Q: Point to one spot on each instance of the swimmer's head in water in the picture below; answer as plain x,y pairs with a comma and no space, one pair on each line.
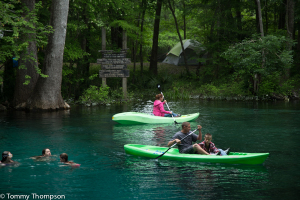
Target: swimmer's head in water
63,157
5,155
46,152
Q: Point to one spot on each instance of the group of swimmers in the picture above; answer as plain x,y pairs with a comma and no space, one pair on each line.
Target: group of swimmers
46,153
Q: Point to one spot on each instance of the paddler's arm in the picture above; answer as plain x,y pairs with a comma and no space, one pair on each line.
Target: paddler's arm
173,142
200,133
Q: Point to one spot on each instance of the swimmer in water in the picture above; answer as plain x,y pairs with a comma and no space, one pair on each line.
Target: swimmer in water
64,159
46,153
6,158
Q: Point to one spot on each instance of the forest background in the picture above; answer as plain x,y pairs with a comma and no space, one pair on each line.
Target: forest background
252,50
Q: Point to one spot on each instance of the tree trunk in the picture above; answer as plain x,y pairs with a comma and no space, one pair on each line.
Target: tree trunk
281,20
290,20
257,76
8,81
141,44
297,57
153,59
266,17
47,93
239,21
184,21
177,28
261,28
22,92
257,17
116,37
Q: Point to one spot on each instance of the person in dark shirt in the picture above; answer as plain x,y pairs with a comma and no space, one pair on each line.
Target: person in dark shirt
186,145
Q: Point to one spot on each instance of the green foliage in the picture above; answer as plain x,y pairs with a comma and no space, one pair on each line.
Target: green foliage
260,55
274,84
69,81
117,93
95,94
177,93
16,22
264,56
208,90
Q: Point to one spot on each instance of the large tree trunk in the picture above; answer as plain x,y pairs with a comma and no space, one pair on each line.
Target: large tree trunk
47,93
153,59
22,92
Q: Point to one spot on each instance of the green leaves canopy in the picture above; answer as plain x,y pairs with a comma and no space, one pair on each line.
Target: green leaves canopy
260,55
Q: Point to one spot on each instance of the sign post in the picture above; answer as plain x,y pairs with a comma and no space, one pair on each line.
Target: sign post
114,64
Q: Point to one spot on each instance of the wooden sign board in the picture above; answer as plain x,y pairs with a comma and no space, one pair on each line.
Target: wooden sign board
114,55
112,51
105,61
113,73
110,66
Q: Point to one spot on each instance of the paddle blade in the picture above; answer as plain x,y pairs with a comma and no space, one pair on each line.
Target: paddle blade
158,86
162,153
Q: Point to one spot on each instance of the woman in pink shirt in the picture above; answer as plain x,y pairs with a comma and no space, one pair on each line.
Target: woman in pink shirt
158,107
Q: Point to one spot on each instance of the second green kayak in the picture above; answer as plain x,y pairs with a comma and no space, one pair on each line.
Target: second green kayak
173,154
143,118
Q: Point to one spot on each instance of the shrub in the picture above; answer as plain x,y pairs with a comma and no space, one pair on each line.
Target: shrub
95,94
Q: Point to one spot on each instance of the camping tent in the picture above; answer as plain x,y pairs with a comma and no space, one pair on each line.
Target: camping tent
192,51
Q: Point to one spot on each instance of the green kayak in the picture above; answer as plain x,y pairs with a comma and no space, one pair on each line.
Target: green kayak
143,118
173,154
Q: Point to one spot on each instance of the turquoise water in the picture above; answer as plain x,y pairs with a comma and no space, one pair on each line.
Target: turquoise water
91,138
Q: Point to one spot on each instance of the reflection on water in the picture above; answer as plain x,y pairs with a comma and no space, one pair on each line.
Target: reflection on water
91,138
195,179
156,134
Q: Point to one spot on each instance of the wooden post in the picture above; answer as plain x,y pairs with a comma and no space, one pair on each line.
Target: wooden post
124,86
103,48
124,82
124,40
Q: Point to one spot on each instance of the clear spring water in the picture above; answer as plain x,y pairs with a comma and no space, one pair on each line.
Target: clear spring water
91,138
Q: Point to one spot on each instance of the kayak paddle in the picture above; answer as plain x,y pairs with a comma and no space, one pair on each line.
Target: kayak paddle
176,143
158,86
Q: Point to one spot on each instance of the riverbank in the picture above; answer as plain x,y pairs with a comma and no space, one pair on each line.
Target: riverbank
177,84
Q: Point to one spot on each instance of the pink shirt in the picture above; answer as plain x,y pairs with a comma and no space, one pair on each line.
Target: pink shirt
158,108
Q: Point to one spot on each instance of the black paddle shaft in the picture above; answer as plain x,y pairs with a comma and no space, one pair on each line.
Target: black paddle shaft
176,143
